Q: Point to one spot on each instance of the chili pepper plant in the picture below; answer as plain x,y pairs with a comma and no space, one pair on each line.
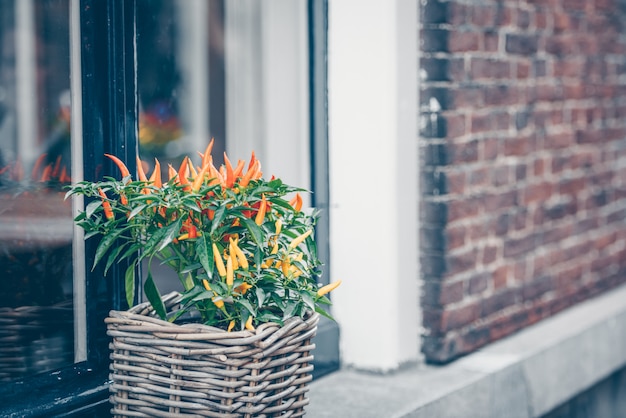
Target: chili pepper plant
242,247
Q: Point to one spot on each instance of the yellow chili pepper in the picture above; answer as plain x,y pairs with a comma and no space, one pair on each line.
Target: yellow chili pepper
240,256
298,240
231,325
218,302
328,288
230,275
249,325
233,254
218,261
285,265
205,282
274,248
279,226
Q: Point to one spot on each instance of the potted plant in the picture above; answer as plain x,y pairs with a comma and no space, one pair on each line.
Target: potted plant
235,341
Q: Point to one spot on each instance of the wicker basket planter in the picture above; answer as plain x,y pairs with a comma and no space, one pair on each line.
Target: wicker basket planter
160,369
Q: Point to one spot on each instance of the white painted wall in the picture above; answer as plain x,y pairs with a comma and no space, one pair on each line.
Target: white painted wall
373,180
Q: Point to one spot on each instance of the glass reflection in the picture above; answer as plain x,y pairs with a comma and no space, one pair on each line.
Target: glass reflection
36,315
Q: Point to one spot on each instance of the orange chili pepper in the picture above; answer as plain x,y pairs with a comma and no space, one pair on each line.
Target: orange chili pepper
207,153
155,178
245,180
243,288
45,176
120,165
296,202
239,169
230,178
260,216
140,172
199,179
36,167
57,167
183,174
108,211
64,178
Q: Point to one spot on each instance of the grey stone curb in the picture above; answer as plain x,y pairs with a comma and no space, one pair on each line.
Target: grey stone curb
525,375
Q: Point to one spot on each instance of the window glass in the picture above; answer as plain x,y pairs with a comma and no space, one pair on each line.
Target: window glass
36,284
233,71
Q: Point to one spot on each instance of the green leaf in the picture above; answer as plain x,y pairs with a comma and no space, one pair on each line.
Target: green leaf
308,300
129,284
290,309
255,231
246,304
135,211
322,312
113,256
204,251
105,244
161,238
217,219
154,297
172,231
92,207
260,296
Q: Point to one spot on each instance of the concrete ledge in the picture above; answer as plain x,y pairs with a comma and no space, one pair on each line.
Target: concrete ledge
525,375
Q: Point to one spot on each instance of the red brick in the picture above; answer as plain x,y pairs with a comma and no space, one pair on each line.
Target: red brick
463,41
500,277
461,262
491,41
455,237
490,254
478,283
489,68
456,125
499,301
459,317
451,293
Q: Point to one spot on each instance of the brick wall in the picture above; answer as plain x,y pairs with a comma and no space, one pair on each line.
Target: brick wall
523,159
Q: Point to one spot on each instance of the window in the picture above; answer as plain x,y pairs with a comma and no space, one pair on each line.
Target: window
250,74
36,290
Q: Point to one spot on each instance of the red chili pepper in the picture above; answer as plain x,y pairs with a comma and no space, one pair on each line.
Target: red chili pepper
108,211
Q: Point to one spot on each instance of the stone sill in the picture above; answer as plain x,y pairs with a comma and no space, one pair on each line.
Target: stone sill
525,375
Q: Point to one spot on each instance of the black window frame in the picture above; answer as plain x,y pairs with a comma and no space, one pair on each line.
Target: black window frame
109,125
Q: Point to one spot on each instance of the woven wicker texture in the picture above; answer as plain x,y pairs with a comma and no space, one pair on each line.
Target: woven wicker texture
160,369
